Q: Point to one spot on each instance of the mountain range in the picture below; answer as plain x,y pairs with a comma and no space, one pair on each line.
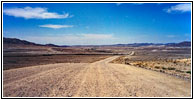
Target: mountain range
15,41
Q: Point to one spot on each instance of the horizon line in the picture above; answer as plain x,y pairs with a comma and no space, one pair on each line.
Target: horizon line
100,44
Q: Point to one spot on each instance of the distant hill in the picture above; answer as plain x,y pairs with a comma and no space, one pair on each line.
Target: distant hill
138,44
24,42
17,41
185,43
52,45
181,44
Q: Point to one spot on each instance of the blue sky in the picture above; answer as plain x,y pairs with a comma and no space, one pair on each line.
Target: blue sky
97,23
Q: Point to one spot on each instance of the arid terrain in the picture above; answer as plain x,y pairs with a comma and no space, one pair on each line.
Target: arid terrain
98,79
138,70
175,63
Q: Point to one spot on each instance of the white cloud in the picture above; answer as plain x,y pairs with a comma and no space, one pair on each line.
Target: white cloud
179,8
138,3
118,4
34,13
73,39
56,26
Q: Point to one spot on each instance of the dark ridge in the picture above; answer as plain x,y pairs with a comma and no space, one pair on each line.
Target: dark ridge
181,44
17,41
52,45
139,44
24,42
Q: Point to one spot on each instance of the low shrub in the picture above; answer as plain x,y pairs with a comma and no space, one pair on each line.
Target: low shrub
179,71
164,68
171,68
188,72
157,67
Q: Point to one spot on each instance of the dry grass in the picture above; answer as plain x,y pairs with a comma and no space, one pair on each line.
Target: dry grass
17,61
177,67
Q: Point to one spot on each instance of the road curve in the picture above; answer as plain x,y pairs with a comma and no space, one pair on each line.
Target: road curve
98,79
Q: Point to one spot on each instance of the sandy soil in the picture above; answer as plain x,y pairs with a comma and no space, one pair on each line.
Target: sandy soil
177,67
11,61
98,79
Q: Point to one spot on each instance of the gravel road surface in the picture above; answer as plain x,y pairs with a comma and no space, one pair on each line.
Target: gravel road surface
98,79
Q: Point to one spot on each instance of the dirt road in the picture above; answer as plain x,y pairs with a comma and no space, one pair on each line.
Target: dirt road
99,79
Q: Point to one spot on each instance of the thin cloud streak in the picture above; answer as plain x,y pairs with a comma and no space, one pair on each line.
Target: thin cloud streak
138,3
118,4
56,26
73,39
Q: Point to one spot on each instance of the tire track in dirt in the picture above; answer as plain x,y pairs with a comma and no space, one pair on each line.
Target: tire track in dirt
113,85
83,79
161,84
88,87
42,83
98,79
72,84
102,81
18,74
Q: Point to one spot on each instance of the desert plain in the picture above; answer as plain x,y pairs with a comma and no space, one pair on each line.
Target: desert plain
31,70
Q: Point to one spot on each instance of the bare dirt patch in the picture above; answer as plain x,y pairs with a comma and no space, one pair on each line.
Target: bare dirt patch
98,79
24,60
176,67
